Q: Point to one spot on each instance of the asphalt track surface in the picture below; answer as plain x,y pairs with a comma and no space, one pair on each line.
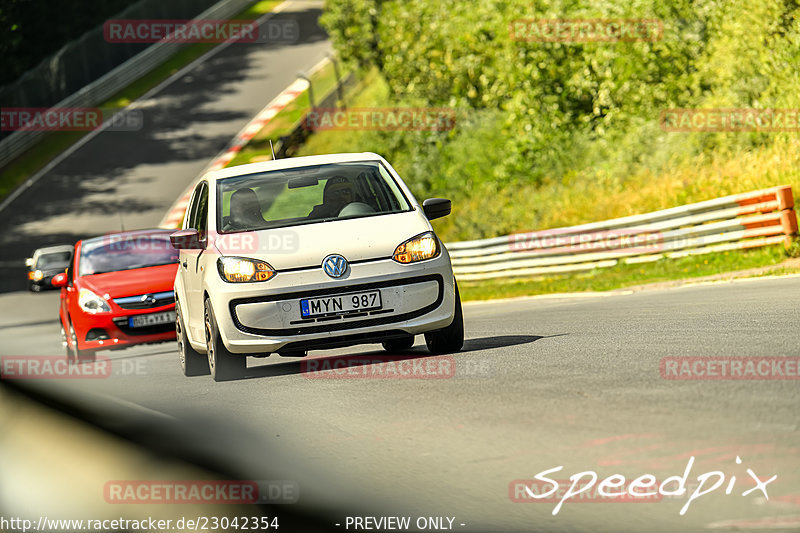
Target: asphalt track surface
541,383
571,382
130,178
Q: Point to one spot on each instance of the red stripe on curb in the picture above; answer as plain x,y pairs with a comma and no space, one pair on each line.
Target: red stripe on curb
176,213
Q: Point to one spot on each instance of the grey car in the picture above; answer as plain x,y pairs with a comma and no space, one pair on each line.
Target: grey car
46,263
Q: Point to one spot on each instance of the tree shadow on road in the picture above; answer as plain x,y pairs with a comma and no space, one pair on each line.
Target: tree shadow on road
140,171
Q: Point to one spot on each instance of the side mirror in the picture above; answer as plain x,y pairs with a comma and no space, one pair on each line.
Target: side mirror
29,262
186,239
59,280
436,207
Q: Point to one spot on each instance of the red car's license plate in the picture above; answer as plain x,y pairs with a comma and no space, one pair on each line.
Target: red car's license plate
141,321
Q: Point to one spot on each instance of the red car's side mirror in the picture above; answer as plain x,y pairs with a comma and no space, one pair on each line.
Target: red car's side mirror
186,239
59,280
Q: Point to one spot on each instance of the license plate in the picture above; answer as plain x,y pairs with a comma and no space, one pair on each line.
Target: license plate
341,304
141,321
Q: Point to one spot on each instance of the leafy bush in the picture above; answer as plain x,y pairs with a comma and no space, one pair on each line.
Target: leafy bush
534,116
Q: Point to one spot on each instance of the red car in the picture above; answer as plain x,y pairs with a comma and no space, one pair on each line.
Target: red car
117,292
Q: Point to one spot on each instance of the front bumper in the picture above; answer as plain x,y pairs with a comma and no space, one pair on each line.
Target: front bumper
265,318
120,335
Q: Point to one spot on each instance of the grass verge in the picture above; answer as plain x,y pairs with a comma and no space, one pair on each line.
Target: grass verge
54,143
323,81
370,91
484,208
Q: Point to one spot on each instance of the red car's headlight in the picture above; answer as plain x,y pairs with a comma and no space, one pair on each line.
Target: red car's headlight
92,303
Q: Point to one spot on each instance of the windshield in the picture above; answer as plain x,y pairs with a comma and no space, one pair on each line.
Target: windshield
111,253
53,260
307,195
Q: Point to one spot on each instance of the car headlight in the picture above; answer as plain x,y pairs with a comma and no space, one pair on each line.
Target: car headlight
92,303
419,248
243,270
38,275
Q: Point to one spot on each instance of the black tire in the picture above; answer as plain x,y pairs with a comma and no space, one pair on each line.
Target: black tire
451,338
224,365
35,287
398,345
65,343
193,363
74,354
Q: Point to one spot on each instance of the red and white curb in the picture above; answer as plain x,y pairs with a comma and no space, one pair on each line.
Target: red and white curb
174,217
259,121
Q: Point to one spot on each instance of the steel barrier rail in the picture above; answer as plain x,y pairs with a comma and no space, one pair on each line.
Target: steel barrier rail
117,79
759,218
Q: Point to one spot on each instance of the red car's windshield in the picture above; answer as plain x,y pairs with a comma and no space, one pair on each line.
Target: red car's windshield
125,252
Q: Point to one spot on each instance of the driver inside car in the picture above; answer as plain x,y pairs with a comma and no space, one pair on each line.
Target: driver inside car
245,211
338,193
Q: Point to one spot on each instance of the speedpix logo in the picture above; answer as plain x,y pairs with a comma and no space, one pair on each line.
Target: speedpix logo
643,488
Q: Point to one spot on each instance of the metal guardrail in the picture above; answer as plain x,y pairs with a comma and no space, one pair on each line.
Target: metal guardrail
748,220
117,79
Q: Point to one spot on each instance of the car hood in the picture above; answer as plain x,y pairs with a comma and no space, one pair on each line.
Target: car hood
307,245
132,282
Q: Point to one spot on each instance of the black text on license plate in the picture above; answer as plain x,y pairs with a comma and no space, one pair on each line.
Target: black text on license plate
345,303
154,319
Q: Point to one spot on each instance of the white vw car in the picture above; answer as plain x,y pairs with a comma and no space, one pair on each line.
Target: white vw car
309,253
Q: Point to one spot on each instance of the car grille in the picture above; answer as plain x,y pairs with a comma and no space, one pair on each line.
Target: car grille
122,323
339,322
146,301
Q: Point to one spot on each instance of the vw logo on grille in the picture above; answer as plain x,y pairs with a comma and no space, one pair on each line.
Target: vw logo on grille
334,265
148,299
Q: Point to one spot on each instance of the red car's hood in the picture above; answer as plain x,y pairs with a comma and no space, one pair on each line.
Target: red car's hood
132,282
